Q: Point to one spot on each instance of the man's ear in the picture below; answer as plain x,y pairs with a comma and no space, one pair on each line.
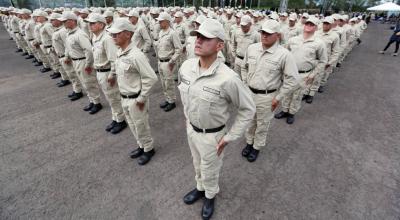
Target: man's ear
220,45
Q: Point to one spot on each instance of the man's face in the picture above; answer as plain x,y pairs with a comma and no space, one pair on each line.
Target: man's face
207,46
303,20
178,20
292,23
109,19
121,38
341,23
268,39
133,20
41,19
96,26
309,27
326,26
283,18
237,20
164,24
56,23
70,24
245,28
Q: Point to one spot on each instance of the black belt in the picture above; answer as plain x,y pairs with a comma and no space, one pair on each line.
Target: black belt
240,57
130,96
103,70
163,61
16,32
62,56
82,58
257,91
47,46
31,39
208,130
22,34
301,71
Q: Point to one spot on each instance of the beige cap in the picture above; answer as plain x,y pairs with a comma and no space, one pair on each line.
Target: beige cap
96,17
329,20
200,19
25,11
292,17
313,19
305,15
283,14
353,20
68,16
133,13
121,24
178,14
239,14
210,28
336,16
41,14
84,11
274,16
108,14
164,16
271,26
245,20
55,16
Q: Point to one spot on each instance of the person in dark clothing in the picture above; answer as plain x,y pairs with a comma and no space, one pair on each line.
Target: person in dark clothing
395,38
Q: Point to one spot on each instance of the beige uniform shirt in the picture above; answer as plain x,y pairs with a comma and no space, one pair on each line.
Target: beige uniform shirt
45,33
58,41
208,96
84,26
141,37
36,33
154,29
331,40
269,69
182,31
350,34
342,36
104,52
78,46
134,73
310,54
169,45
29,29
241,41
290,32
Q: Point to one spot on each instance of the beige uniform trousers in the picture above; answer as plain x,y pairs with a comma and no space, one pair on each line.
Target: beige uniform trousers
55,63
323,80
112,95
69,70
89,81
43,57
292,102
257,132
238,66
17,37
22,43
138,122
207,164
167,81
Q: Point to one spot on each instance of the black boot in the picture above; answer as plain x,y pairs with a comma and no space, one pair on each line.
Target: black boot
281,114
110,126
309,99
76,96
193,196
246,150
24,54
39,64
44,69
29,57
96,108
118,127
35,60
164,104
338,65
55,75
321,89
208,208
18,51
290,119
63,83
136,153
253,155
88,107
146,157
71,94
169,107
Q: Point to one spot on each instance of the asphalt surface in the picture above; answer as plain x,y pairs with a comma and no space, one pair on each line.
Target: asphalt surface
340,160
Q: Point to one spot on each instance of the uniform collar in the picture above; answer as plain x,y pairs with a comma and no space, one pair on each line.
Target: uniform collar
272,49
97,38
126,51
163,32
312,38
73,30
210,71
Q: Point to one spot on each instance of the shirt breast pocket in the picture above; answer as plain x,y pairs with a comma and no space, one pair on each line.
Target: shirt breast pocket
252,64
208,101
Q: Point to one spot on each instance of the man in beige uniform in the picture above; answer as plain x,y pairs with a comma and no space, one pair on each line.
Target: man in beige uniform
242,39
311,57
28,31
209,90
105,53
342,34
79,50
135,79
169,50
332,42
141,37
271,73
41,19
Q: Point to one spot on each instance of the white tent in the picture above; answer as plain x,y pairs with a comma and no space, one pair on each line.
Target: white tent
389,6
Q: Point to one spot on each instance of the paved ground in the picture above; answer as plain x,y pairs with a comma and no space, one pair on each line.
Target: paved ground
340,160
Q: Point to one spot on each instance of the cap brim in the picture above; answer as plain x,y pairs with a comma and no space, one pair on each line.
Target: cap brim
61,19
244,23
114,30
203,33
267,30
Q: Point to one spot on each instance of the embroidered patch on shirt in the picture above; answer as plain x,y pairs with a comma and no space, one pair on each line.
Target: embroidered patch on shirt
211,90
